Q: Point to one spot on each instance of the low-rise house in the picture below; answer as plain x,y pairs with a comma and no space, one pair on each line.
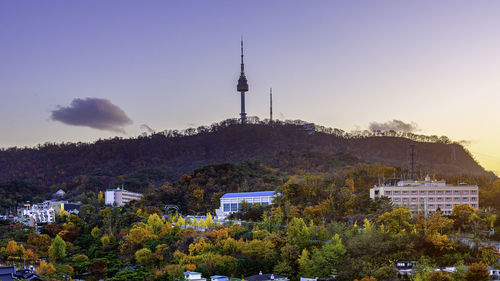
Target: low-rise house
59,194
193,276
8,273
219,278
494,273
405,268
266,277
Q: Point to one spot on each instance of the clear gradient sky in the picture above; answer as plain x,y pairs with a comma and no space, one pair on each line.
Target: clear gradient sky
174,64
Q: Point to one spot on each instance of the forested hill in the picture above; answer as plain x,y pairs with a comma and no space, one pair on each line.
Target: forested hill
289,146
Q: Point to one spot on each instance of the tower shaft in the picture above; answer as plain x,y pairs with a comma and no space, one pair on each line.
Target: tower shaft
243,114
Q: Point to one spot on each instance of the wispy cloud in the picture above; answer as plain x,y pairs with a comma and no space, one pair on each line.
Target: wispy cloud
394,125
95,113
148,129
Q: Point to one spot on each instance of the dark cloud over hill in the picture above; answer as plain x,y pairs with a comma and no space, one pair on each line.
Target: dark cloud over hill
95,113
394,125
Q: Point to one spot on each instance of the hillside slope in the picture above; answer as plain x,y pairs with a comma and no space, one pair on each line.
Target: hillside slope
288,147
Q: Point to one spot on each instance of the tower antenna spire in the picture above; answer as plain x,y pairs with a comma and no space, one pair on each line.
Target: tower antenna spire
242,63
271,104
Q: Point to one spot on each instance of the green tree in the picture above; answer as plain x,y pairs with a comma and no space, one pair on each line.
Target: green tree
138,274
325,260
396,221
461,214
96,232
57,250
298,233
144,256
459,273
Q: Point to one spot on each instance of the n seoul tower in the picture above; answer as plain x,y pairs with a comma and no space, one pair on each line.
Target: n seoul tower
242,87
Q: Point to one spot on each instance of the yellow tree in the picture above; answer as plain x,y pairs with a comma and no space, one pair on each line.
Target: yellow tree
209,222
181,221
30,256
46,269
100,197
12,248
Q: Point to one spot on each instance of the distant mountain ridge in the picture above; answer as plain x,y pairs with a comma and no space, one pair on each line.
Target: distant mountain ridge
288,146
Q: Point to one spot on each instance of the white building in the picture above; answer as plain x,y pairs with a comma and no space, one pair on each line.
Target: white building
193,276
231,202
428,195
120,197
40,215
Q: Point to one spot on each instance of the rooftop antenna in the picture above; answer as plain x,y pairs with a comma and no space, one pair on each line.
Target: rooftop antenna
412,172
271,104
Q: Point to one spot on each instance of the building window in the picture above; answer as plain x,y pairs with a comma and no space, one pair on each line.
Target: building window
405,199
234,207
465,199
440,206
396,192
414,199
431,192
387,193
422,192
440,198
431,205
472,192
474,205
457,192
448,192
439,192
405,192
448,205
413,192
473,198
227,208
431,199
396,199
264,203
448,199
457,198
465,192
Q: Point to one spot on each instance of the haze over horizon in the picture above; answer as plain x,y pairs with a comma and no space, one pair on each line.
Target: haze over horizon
80,71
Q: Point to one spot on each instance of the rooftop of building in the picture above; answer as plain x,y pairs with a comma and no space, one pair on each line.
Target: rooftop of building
427,182
262,277
121,189
249,194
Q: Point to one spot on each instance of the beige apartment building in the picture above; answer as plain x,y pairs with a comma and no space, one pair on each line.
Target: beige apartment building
428,195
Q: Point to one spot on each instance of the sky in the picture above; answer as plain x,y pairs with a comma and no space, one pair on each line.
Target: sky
82,70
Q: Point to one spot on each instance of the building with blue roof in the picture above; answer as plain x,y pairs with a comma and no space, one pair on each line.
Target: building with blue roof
219,278
193,276
231,202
